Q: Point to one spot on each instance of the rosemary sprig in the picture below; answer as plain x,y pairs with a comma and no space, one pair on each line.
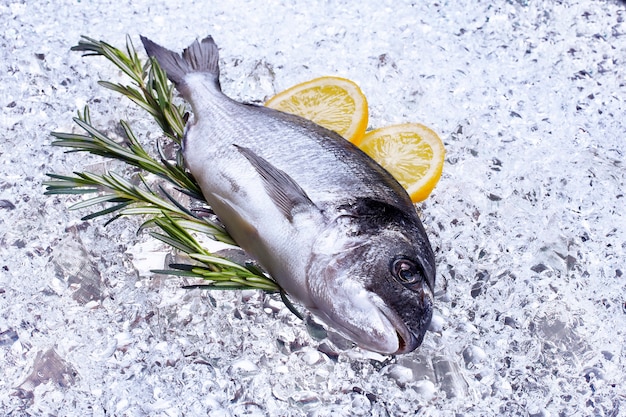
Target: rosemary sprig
167,219
223,273
152,91
97,143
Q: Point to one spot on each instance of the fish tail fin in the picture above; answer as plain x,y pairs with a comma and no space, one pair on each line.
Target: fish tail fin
199,57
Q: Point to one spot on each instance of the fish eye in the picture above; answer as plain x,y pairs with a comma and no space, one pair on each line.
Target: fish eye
406,271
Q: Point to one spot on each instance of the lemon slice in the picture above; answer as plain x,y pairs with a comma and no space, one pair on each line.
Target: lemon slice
411,152
333,102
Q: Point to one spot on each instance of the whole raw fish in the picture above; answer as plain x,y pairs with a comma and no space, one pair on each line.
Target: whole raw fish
330,225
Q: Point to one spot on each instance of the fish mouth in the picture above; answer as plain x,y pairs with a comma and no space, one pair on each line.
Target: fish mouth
408,344
407,341
410,334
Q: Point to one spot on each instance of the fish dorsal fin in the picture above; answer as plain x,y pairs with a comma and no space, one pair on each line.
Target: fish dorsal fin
286,194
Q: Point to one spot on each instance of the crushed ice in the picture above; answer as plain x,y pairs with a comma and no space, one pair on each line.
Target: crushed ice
527,221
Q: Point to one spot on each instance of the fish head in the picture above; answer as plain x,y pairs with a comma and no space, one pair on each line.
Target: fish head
374,285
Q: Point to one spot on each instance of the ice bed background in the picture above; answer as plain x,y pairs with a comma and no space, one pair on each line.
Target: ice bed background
527,221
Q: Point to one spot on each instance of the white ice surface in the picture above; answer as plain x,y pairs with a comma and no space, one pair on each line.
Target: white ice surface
527,221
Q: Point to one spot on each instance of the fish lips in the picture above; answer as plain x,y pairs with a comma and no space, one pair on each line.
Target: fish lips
408,339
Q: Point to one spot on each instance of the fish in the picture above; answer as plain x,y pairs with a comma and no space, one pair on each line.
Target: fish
332,227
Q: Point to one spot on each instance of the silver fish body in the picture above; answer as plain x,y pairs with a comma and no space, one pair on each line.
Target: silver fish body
330,225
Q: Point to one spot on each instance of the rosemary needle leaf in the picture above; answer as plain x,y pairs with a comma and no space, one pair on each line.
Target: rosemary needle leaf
173,242
107,198
106,211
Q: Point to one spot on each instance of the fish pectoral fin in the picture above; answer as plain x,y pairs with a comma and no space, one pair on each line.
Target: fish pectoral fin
286,194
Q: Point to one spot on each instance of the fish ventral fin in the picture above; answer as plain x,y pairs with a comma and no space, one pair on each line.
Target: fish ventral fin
286,194
200,56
